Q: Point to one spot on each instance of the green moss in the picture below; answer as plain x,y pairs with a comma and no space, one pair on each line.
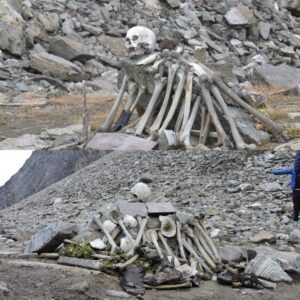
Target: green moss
79,249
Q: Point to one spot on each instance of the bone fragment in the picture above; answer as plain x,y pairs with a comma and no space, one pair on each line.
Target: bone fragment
169,286
198,258
159,84
150,59
126,232
156,66
108,236
177,96
110,118
179,239
172,70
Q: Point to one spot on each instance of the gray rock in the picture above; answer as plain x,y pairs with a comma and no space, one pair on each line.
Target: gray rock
295,236
173,3
11,29
4,291
270,187
81,286
50,21
67,48
56,66
117,294
24,142
246,126
80,262
264,29
49,238
265,267
277,76
263,236
231,253
240,15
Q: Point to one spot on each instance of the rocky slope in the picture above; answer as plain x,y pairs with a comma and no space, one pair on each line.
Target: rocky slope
236,190
42,169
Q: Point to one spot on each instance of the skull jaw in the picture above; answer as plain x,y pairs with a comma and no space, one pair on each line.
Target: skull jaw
138,52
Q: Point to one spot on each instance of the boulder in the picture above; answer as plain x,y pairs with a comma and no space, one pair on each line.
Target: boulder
12,24
265,267
50,237
231,253
67,48
263,236
50,21
57,66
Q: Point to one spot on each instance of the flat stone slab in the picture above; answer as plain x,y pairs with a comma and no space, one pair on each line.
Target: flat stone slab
120,141
79,262
155,208
50,237
278,76
133,209
240,15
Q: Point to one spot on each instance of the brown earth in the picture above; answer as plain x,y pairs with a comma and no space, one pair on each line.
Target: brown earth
58,112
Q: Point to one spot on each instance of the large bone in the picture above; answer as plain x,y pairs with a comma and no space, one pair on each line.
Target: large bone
179,240
185,136
177,96
110,119
125,115
205,129
141,92
108,236
210,243
240,144
179,119
210,107
197,257
164,242
276,128
130,261
172,70
190,233
159,84
187,100
152,235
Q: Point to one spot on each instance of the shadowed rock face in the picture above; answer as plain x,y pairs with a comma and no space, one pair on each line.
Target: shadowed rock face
42,169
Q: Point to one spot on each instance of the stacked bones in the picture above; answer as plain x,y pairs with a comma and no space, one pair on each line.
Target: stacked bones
181,98
179,238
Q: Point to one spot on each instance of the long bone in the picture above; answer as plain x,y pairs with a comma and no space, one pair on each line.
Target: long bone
179,119
276,128
210,107
185,136
179,240
110,118
190,249
108,236
205,130
240,144
164,242
187,100
125,115
152,236
172,70
130,261
210,243
142,224
113,234
159,84
190,233
177,96
155,67
141,92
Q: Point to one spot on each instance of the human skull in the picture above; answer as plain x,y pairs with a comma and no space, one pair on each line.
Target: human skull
140,40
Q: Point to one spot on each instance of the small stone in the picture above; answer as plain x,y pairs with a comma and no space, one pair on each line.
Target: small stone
80,287
231,253
98,244
117,294
4,291
263,236
240,15
295,236
270,187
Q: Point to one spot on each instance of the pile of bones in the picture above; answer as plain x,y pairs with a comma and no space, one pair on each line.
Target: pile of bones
182,99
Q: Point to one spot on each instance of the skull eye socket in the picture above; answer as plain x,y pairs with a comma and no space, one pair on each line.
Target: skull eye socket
135,37
128,40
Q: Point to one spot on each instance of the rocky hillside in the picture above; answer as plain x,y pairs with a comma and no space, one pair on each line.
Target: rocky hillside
42,169
236,190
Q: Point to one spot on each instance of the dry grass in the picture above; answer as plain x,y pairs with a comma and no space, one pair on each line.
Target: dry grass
278,105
